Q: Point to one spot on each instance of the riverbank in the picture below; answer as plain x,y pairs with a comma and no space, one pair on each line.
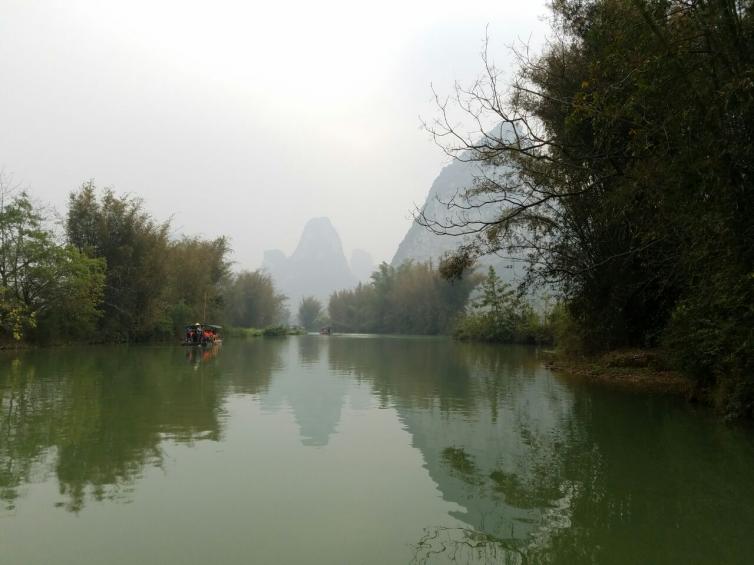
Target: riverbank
631,370
229,332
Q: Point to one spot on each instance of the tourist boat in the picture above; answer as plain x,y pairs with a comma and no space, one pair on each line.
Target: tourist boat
202,335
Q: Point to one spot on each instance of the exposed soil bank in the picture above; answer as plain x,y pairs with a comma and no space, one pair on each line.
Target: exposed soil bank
634,370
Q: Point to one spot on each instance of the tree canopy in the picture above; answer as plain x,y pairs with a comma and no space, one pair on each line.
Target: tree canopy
410,299
622,170
46,287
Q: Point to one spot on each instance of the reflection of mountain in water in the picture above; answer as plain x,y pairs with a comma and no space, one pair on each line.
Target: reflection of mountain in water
488,421
534,470
314,394
544,472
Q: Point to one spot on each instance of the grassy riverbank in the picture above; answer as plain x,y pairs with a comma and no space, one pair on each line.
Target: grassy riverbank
632,370
271,331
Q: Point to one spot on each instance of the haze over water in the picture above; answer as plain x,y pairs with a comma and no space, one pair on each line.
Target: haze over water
355,450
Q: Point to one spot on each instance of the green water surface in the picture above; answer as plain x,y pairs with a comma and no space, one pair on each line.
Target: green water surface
350,450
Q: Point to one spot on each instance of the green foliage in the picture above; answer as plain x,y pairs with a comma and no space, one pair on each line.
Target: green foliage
275,331
197,272
234,331
498,314
310,313
134,247
411,299
47,290
628,181
711,337
251,301
153,286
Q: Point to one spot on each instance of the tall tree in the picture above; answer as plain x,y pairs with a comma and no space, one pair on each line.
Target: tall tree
198,271
46,288
412,299
623,170
252,301
134,247
309,312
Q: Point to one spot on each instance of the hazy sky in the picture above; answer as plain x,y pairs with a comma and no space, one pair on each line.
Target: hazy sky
243,118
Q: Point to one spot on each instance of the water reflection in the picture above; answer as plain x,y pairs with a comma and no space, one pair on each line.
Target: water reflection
492,425
528,468
95,417
313,393
544,471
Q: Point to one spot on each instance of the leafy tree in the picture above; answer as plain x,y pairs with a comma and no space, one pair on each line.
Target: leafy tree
134,247
198,272
310,312
154,285
251,300
46,288
412,299
623,170
499,314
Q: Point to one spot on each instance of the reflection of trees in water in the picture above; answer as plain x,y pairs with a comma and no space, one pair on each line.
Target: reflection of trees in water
462,545
417,371
310,348
247,365
101,416
491,424
569,474
652,471
98,416
548,473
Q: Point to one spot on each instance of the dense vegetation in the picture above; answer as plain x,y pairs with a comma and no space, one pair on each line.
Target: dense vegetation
152,284
499,314
624,173
46,287
310,313
410,299
116,274
252,301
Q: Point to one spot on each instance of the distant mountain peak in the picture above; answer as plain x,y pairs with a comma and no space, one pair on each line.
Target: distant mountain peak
319,238
420,244
317,267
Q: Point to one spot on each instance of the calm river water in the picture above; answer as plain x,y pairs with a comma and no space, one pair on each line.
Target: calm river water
350,450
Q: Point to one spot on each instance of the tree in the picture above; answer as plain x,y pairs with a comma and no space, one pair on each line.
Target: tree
412,299
134,247
198,271
309,312
45,288
251,300
620,164
499,314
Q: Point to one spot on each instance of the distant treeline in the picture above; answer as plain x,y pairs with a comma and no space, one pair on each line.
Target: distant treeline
410,299
113,274
415,298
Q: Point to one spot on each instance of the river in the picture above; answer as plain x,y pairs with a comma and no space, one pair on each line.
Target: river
355,449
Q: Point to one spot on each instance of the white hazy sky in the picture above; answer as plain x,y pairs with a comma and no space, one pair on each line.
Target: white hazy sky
243,118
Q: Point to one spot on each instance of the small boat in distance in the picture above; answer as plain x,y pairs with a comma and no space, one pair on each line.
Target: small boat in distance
202,335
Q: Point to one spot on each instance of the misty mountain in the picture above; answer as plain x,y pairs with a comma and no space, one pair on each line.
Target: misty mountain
362,265
317,267
420,244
